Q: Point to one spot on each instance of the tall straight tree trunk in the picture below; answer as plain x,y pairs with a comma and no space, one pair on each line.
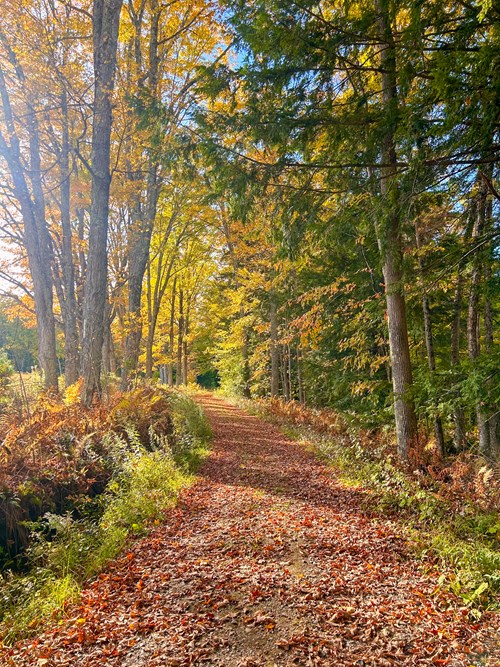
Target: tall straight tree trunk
246,365
431,360
185,351
460,434
492,421
275,370
289,369
80,270
151,328
107,346
105,23
180,336
300,379
389,239
35,233
245,337
171,338
284,368
429,344
493,414
473,340
142,226
70,310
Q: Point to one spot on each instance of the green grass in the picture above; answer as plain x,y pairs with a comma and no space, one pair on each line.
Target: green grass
146,484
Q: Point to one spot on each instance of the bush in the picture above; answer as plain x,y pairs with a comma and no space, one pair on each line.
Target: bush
146,468
6,369
449,522
191,428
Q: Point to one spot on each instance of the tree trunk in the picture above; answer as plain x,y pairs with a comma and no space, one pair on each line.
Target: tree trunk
429,344
246,365
473,343
142,226
105,23
80,271
493,415
284,379
171,338
289,371
185,367
460,431
107,347
180,335
70,311
300,379
492,421
35,233
275,378
459,435
389,239
151,327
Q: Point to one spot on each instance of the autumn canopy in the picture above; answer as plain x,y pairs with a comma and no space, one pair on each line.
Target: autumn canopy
293,199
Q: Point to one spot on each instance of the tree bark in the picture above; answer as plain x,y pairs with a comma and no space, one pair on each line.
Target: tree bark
284,379
107,347
289,371
35,233
389,239
171,338
300,379
275,377
69,306
180,335
459,435
429,344
473,340
80,271
105,23
246,364
185,351
460,431
139,241
492,420
493,414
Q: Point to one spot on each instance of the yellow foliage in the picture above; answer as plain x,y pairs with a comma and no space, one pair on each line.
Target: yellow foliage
72,393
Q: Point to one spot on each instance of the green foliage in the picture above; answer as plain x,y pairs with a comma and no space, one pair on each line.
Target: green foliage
6,371
6,368
463,544
66,551
19,341
294,144
192,430
145,488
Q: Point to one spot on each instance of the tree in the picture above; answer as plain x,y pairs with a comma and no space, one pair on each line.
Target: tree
348,119
27,190
105,23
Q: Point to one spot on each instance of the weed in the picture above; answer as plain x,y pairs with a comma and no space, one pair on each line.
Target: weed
148,470
462,543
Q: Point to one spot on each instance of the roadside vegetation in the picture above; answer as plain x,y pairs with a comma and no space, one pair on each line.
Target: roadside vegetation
78,483
447,511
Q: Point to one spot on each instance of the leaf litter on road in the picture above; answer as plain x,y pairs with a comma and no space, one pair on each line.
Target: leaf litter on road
267,561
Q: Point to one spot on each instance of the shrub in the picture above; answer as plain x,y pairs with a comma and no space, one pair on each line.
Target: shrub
448,512
145,468
6,369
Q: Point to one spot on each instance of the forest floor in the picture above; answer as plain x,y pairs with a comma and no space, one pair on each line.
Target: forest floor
267,561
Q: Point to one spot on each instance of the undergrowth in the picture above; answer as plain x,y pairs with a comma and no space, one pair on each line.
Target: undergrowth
461,540
149,467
